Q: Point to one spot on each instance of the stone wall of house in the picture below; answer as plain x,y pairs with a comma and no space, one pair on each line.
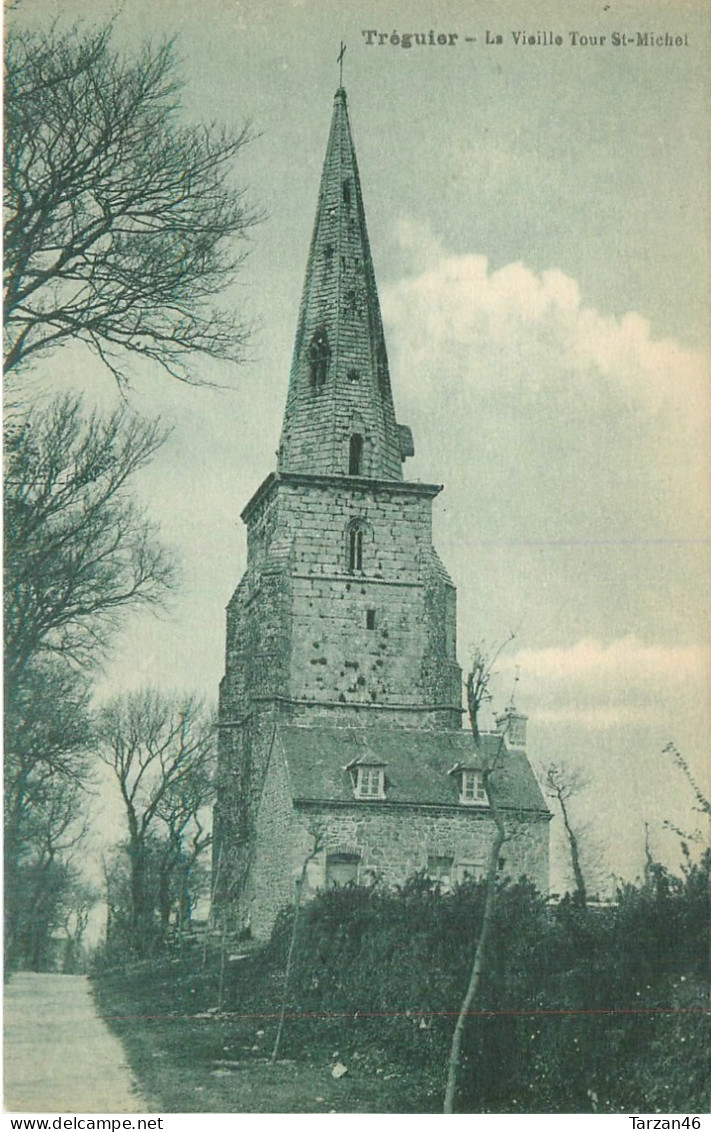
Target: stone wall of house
395,841
392,843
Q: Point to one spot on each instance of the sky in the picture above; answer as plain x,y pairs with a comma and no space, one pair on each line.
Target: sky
539,221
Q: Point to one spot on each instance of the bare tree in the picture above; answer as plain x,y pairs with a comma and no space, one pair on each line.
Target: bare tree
186,838
155,745
123,227
78,555
80,898
702,806
42,872
563,783
78,552
47,740
477,690
478,680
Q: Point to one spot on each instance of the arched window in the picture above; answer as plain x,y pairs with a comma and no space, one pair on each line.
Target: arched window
355,536
355,455
319,357
355,549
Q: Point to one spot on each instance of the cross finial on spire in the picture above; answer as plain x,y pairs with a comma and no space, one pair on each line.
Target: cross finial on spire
340,63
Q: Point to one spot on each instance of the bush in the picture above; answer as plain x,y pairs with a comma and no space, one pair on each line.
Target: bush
580,1009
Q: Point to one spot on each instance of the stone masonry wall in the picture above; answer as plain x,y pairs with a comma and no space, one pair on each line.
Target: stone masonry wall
392,842
300,645
383,635
281,844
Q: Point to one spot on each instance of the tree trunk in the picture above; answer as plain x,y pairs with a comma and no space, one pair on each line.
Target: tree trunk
455,1053
580,890
287,971
140,917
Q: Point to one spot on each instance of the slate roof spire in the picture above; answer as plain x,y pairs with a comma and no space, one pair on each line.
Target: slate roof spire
339,418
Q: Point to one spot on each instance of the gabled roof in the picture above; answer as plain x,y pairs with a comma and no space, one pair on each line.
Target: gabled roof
417,765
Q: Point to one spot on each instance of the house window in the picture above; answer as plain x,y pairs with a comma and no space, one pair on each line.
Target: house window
370,618
355,535
319,357
370,782
469,870
355,455
440,869
341,869
472,788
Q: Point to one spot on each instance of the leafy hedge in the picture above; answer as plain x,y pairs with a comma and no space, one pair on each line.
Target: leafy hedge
582,1009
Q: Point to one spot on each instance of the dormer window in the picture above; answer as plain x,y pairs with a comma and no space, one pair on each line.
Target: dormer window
370,782
368,779
471,787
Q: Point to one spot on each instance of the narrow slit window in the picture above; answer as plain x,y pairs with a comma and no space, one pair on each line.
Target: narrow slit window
355,549
382,362
346,191
355,455
370,618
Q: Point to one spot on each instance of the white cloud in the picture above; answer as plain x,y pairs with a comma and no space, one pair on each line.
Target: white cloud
607,419
627,696
521,318
616,662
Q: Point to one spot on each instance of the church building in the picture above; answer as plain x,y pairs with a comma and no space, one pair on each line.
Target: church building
342,754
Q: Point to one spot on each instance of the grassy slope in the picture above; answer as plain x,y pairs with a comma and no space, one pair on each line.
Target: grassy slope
188,1059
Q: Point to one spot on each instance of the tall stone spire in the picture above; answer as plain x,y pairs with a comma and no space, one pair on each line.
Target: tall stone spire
339,418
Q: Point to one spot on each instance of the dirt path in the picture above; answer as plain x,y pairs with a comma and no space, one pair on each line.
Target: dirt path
59,1055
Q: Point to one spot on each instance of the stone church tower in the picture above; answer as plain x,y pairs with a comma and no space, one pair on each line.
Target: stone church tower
340,709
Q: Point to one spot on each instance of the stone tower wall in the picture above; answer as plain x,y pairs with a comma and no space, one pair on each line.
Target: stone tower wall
304,627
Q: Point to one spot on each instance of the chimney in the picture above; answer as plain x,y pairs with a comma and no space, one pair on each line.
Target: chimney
512,724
